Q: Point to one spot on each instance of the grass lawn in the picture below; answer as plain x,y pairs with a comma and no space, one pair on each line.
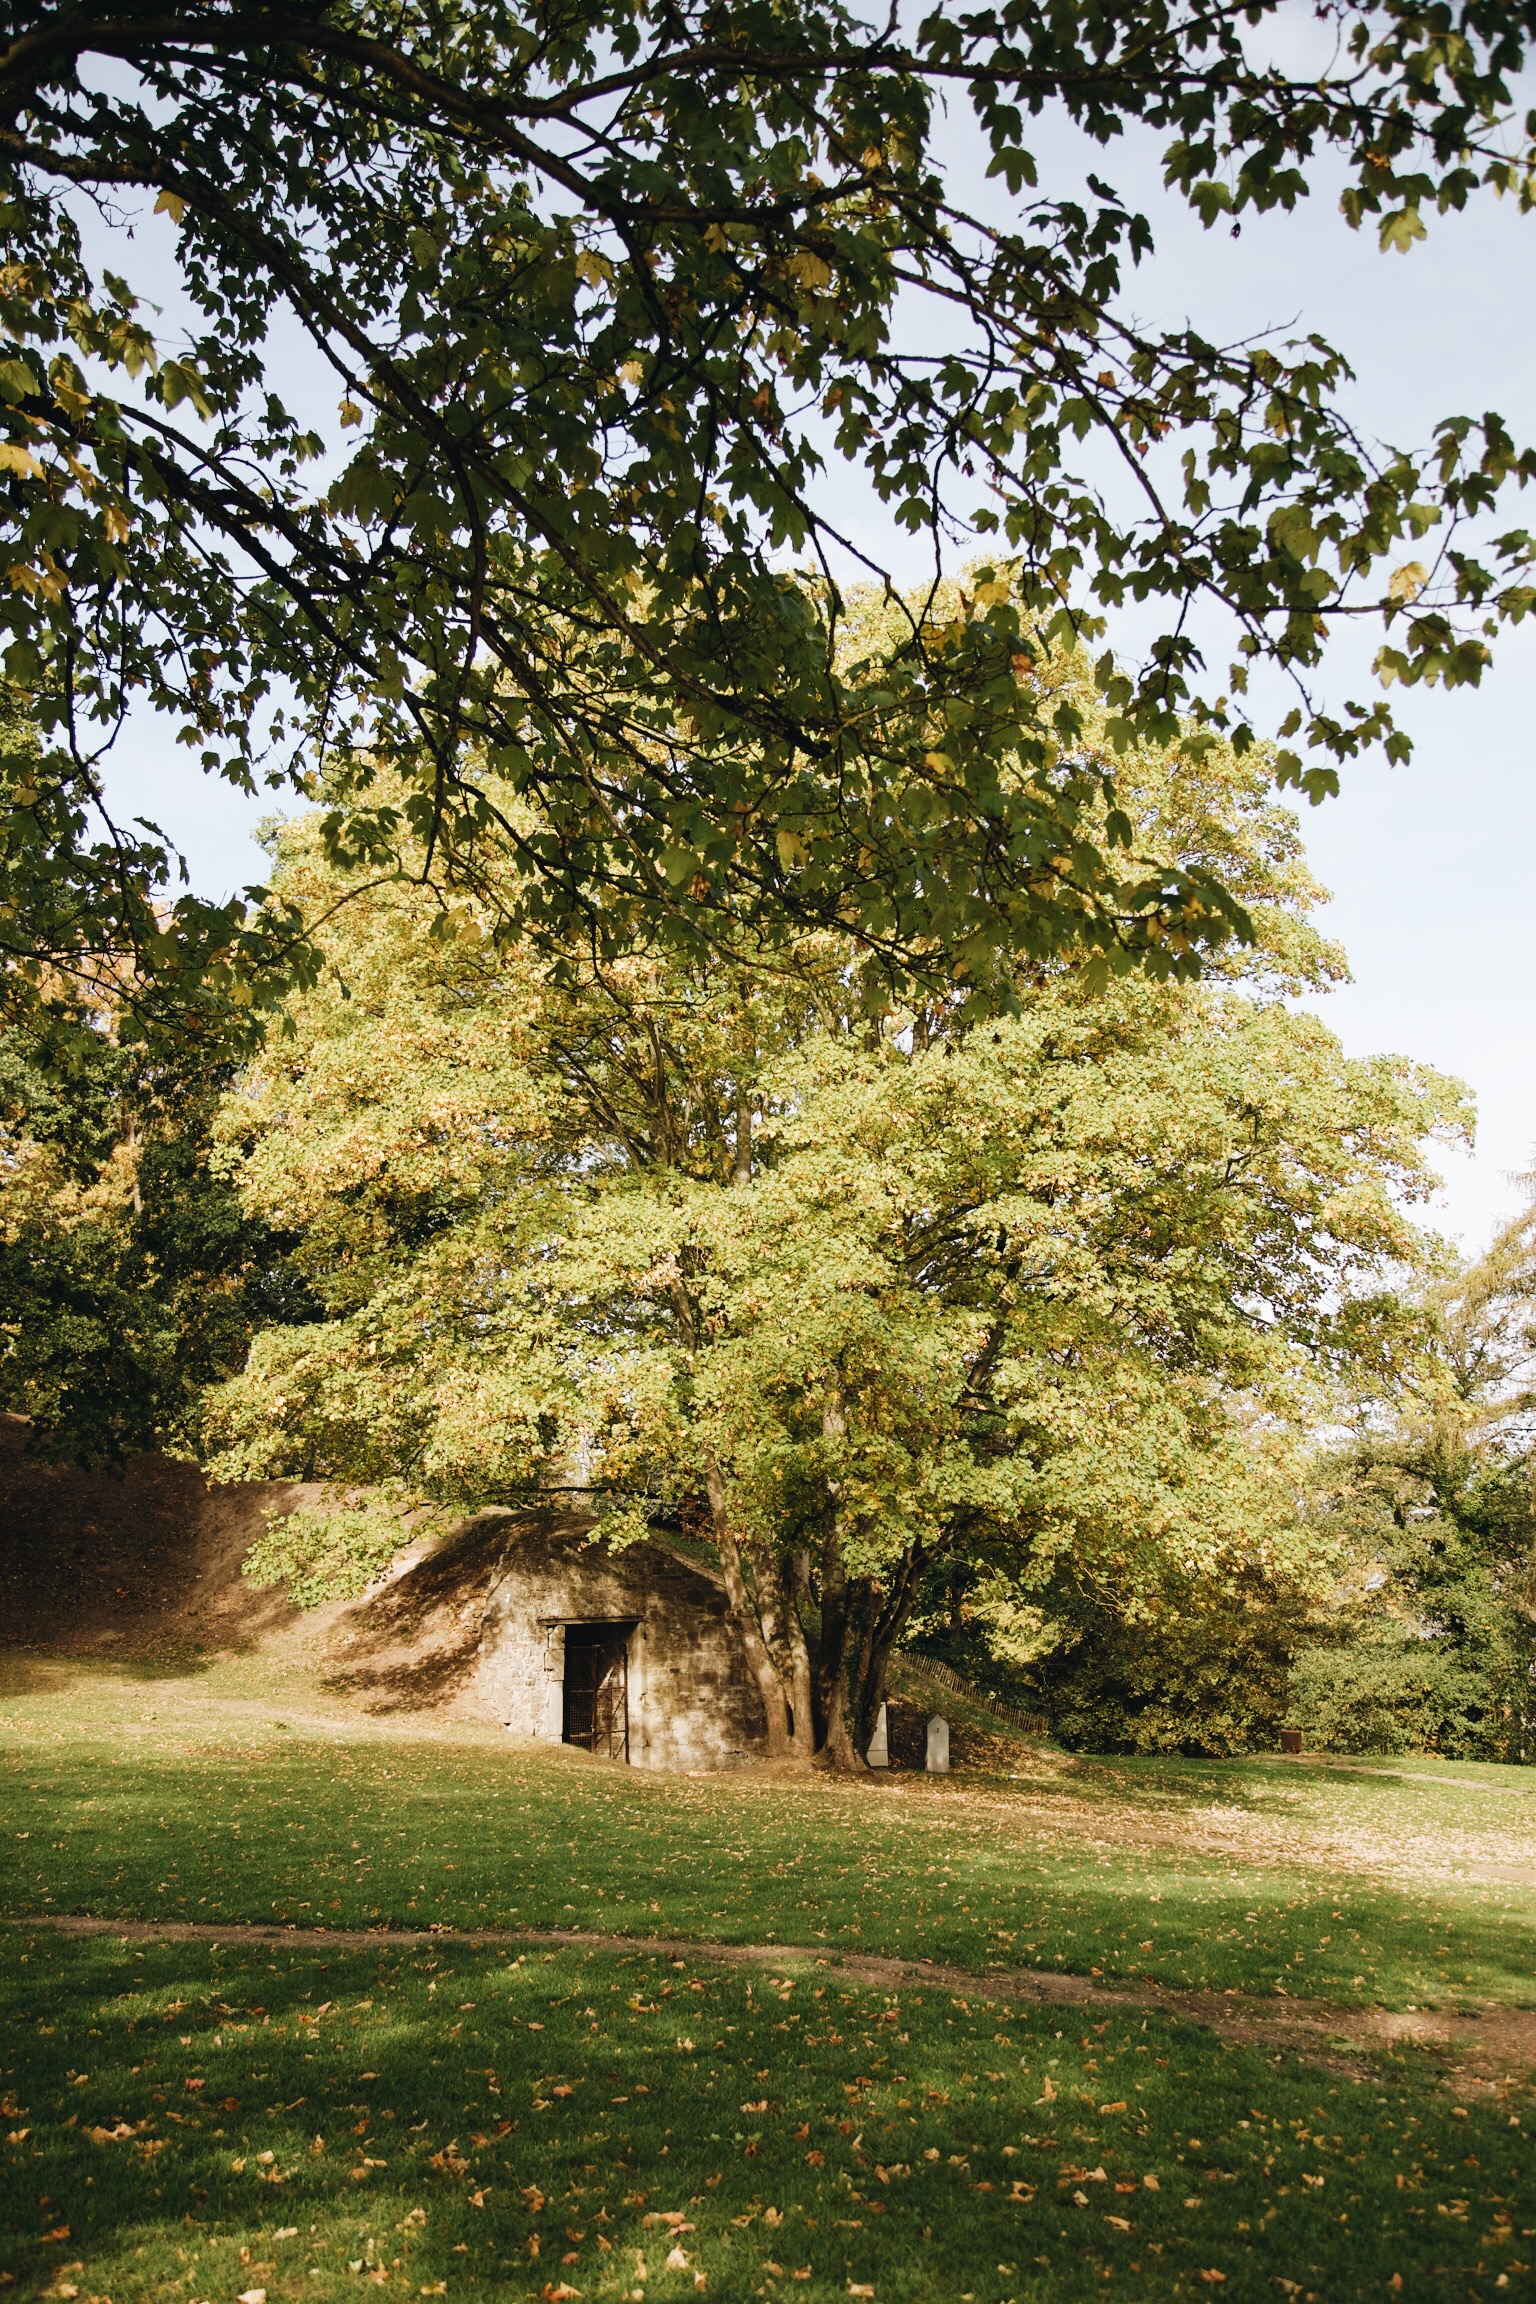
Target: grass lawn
205,2121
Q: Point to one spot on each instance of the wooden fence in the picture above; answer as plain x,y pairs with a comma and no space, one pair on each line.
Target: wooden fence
944,1675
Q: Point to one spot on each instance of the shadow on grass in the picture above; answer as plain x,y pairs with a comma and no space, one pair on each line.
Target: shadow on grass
200,2121
50,1672
252,1826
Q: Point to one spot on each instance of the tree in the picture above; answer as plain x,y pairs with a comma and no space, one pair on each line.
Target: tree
598,294
130,1277
1432,1640
857,1299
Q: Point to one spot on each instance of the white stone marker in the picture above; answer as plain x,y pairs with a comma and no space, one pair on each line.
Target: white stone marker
938,1746
879,1753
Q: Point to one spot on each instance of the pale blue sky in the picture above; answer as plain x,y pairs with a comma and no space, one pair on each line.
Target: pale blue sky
1430,865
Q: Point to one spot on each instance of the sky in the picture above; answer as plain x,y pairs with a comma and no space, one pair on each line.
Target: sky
1429,864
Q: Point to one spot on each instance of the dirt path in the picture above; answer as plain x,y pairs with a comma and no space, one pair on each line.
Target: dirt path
1490,2051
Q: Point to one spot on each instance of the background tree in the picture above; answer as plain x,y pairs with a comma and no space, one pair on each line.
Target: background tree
130,1276
857,1299
584,300
1431,1642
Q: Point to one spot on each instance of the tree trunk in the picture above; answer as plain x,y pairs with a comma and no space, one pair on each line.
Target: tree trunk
895,1611
784,1636
846,1650
760,1663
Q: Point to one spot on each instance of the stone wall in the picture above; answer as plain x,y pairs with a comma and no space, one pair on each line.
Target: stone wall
692,1702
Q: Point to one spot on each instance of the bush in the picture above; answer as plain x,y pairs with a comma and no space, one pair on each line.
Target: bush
1205,1674
1408,1694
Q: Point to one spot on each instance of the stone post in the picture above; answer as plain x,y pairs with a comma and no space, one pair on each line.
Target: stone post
879,1753
938,1746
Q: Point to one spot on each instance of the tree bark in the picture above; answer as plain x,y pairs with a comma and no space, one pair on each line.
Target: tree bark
759,1662
784,1635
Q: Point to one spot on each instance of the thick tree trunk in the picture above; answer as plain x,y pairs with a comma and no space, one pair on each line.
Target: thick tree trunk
896,1607
759,1662
784,1635
847,1646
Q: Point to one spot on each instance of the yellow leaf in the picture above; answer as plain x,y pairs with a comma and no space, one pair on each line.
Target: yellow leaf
171,204
792,850
1408,581
15,458
810,270
350,413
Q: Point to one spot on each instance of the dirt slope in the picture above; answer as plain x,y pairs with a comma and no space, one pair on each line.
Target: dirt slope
137,1563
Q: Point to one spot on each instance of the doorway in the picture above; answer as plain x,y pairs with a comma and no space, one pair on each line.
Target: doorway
597,1689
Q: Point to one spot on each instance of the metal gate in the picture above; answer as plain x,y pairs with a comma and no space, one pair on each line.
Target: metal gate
597,1689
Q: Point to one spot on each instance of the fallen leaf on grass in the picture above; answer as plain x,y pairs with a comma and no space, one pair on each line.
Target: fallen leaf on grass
253,2296
1211,2278
677,2260
558,2295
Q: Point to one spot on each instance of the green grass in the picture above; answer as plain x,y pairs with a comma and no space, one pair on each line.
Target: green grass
195,2122
173,1814
487,2124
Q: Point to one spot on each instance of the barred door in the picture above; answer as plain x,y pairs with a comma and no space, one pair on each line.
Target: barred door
597,1689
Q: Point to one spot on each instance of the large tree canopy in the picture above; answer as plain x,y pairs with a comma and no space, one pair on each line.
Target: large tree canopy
860,1300
517,339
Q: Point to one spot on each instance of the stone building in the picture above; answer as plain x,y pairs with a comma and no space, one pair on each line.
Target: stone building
630,1655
